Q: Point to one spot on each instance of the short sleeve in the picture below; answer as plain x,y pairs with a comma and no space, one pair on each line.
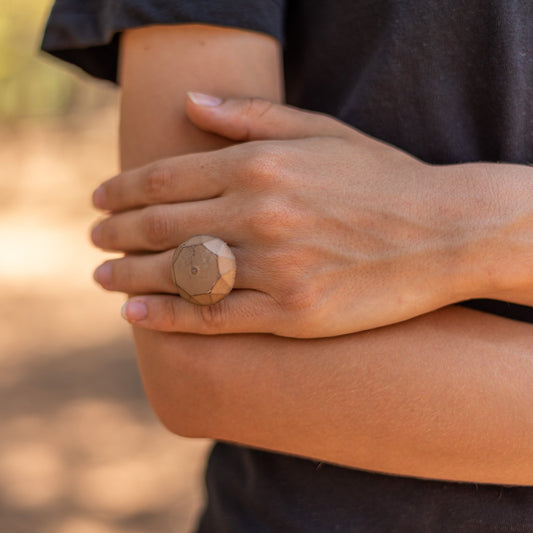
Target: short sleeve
87,32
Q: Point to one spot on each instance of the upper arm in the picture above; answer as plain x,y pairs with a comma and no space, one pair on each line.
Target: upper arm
159,64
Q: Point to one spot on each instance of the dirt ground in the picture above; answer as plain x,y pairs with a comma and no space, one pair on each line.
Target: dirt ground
80,450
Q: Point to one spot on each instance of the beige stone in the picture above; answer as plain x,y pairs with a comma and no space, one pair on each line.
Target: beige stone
203,269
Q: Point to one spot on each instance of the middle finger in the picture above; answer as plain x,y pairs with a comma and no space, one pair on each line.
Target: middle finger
161,227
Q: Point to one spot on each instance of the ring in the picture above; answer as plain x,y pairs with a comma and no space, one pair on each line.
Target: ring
203,269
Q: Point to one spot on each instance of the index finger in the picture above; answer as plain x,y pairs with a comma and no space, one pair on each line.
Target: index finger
184,178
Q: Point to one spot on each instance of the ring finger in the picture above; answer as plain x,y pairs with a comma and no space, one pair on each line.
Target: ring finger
151,273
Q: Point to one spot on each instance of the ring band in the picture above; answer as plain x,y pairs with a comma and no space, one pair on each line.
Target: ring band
203,269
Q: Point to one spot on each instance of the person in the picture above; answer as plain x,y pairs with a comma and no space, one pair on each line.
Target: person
372,369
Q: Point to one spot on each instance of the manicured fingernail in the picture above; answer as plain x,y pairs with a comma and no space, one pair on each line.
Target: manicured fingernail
204,99
132,311
99,197
102,274
96,235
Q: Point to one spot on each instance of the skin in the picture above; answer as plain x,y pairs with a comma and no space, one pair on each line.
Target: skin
445,395
306,200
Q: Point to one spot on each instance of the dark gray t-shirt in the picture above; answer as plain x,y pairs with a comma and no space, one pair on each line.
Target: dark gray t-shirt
448,81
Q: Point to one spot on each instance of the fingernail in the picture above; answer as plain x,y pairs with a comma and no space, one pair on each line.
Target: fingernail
96,235
204,99
102,274
99,197
133,311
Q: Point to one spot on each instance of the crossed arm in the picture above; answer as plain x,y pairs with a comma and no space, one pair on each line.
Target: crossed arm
446,395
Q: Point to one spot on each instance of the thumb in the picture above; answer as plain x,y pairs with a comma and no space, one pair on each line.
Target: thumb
253,119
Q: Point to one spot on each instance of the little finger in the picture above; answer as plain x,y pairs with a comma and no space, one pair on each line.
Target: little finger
243,311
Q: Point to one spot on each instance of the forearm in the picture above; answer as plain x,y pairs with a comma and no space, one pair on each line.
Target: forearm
492,205
418,398
445,396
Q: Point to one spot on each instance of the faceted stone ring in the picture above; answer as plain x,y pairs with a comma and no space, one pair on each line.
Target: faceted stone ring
203,269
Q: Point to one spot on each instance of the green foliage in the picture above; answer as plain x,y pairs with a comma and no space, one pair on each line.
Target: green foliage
31,84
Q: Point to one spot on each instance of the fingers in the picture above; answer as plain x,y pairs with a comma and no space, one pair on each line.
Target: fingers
242,311
142,274
162,227
250,119
151,273
178,179
201,176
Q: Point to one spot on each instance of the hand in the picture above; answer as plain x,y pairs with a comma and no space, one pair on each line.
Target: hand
334,232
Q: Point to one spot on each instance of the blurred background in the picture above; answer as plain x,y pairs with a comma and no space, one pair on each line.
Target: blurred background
80,450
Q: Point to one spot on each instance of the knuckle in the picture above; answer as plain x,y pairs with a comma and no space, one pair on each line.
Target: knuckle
299,288
257,108
169,314
264,164
302,299
157,182
273,219
212,317
157,229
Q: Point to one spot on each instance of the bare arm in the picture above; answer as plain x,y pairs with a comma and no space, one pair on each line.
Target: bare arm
445,396
503,260
160,64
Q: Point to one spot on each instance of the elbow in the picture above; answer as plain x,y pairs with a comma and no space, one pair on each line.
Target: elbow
176,382
179,421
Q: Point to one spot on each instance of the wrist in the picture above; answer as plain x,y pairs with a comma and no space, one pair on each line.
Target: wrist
490,228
